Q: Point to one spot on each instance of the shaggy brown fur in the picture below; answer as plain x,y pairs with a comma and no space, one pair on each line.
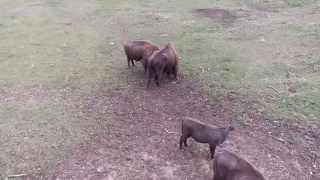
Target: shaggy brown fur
203,133
163,61
139,50
228,166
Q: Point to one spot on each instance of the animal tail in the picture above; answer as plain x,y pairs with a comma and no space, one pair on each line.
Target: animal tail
125,49
149,68
124,43
182,122
172,46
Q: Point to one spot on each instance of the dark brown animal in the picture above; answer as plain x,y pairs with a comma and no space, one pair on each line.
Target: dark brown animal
162,61
203,133
139,50
228,166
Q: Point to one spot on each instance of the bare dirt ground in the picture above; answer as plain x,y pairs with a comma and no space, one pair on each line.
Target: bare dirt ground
63,121
141,141
219,15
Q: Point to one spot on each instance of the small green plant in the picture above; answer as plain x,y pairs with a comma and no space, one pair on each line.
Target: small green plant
297,3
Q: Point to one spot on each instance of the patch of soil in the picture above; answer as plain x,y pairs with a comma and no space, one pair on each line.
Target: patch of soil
141,138
218,15
271,6
32,95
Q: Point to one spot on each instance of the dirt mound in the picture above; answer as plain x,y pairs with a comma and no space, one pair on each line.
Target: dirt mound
216,14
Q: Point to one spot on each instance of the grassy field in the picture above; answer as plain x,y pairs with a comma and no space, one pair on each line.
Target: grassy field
265,54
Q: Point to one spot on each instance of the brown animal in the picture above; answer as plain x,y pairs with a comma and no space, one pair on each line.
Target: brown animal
203,133
139,50
228,166
162,61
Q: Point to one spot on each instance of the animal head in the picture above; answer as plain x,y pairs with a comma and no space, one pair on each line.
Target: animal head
153,54
230,128
167,45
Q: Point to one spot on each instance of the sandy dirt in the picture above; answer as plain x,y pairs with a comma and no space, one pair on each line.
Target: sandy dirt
141,141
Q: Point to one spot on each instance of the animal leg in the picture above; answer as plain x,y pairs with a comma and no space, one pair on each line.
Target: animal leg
156,79
149,77
132,61
148,84
128,59
168,74
212,150
145,67
217,176
144,62
160,73
175,71
183,140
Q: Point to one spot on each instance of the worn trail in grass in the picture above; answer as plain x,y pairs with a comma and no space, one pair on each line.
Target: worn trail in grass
141,140
256,60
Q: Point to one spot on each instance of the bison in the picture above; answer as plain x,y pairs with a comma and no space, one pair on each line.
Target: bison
228,166
203,133
139,50
162,61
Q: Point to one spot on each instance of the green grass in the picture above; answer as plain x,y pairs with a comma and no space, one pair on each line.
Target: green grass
54,48
299,3
76,46
33,135
251,59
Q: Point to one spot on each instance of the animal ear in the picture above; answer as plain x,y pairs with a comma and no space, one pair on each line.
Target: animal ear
165,55
232,125
231,128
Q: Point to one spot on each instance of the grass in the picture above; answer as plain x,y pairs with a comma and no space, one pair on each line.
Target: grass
299,3
251,59
76,46
47,47
26,140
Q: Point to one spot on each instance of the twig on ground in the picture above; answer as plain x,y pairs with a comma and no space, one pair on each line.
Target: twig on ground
169,132
279,139
274,89
15,176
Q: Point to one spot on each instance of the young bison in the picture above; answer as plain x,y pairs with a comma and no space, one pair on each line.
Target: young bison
203,133
162,61
228,166
139,50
